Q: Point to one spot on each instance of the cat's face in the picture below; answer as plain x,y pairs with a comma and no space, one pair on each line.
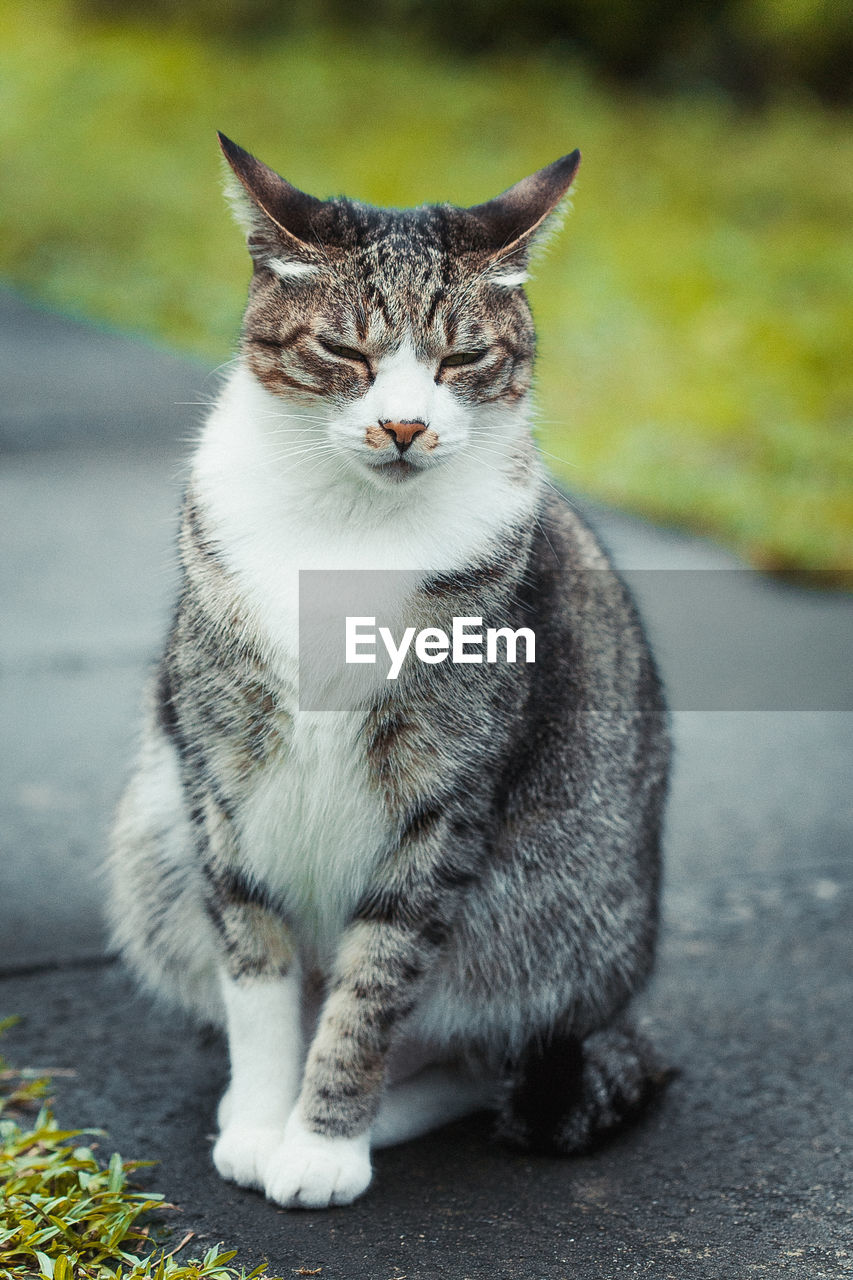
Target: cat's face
396,339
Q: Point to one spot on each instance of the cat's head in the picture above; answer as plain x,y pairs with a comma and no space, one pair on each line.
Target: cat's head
402,337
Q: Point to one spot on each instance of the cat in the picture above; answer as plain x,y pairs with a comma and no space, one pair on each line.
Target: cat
442,898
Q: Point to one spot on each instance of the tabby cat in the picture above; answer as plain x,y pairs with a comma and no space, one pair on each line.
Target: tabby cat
439,899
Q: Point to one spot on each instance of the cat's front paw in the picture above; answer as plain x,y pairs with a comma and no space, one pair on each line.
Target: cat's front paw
242,1152
310,1171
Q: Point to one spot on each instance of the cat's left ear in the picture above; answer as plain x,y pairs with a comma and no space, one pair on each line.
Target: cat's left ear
283,225
515,220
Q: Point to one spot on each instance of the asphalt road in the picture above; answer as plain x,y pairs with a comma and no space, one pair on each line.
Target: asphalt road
744,1169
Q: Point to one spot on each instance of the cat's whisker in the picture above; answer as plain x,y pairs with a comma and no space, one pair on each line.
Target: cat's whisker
282,419
318,457
284,416
544,480
557,458
543,475
230,362
308,453
311,456
226,364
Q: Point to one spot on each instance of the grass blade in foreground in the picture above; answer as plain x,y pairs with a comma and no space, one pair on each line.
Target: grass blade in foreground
64,1216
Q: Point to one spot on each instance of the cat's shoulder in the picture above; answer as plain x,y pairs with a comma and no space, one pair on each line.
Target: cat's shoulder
574,571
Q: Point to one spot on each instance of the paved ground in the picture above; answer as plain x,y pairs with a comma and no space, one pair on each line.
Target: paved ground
745,1169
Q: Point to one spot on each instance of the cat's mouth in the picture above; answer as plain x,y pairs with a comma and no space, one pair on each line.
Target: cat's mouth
398,470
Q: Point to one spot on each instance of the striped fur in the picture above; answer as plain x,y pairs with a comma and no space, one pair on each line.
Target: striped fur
463,870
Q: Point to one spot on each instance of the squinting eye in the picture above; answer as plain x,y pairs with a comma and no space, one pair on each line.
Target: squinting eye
461,357
343,353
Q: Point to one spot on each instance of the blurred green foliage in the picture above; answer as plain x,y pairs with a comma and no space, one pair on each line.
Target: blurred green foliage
695,313
748,47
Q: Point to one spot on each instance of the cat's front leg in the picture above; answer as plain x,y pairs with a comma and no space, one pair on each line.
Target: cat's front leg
265,1048
382,960
260,982
324,1157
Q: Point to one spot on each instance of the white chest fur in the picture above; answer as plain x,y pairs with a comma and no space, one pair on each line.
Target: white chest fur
314,825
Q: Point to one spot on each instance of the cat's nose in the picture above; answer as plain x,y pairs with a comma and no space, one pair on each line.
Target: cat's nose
403,432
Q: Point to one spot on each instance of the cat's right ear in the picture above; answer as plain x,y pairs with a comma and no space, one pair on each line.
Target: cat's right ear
517,220
281,222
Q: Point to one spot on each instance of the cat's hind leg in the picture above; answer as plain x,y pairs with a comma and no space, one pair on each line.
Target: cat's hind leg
572,1094
434,1097
155,899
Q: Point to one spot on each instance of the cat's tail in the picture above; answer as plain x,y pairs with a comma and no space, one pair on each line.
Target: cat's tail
570,1095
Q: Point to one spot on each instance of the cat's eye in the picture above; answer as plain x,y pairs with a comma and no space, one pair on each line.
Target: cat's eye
343,353
458,358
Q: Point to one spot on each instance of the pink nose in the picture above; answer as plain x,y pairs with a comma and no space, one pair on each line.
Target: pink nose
403,432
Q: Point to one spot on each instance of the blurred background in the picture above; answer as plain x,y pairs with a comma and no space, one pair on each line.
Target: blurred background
695,313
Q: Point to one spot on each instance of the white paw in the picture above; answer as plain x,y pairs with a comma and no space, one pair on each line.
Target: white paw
242,1152
310,1171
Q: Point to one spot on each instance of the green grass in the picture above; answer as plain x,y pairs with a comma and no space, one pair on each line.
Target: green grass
695,313
64,1215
